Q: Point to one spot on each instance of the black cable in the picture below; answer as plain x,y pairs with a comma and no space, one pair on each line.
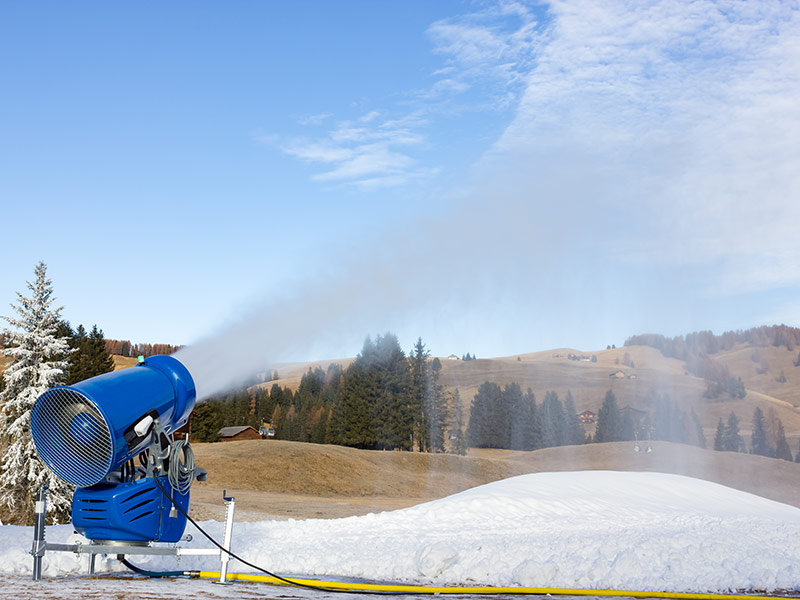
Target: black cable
146,573
256,567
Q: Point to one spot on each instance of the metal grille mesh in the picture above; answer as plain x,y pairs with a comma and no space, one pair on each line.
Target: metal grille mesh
72,436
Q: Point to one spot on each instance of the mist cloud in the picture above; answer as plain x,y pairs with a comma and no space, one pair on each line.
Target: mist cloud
648,173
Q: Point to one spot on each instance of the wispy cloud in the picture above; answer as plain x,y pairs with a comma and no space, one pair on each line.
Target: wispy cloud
485,54
369,152
682,115
494,47
689,111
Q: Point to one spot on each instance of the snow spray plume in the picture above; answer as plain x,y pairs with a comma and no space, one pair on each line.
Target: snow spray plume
488,274
395,289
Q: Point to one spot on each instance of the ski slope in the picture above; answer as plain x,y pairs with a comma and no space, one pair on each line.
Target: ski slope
587,529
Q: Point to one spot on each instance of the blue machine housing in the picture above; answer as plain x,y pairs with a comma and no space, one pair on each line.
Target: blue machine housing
86,430
135,511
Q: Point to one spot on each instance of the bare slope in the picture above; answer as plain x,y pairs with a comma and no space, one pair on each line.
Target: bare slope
292,479
651,374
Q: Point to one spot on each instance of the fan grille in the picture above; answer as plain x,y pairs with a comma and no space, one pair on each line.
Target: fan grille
72,437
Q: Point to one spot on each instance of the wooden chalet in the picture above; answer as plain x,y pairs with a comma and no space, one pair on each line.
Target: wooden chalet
235,434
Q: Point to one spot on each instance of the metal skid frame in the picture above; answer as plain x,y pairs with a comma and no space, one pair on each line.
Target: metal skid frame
41,546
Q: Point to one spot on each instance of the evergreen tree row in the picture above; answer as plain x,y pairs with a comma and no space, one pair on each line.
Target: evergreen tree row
669,423
384,400
88,356
767,439
509,418
706,343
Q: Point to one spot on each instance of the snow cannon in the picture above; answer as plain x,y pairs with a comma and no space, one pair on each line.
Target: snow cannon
91,434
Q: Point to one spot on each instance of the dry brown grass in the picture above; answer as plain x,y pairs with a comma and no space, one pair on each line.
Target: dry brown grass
655,374
289,375
122,362
290,479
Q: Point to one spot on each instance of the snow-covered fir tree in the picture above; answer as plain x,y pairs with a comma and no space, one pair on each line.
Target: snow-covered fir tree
38,362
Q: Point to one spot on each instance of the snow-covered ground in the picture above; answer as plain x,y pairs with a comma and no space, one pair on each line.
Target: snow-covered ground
588,529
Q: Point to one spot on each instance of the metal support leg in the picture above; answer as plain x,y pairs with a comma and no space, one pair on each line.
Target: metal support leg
92,557
226,543
39,543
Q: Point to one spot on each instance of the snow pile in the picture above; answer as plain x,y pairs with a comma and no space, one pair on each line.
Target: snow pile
592,529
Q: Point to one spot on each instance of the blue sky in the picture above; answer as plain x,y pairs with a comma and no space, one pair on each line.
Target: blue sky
496,177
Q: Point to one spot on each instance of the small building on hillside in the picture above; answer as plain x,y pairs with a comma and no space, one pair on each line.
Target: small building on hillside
636,416
453,357
620,374
587,416
235,434
635,413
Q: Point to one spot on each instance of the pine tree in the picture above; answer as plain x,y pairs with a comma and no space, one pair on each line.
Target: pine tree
421,402
554,422
758,440
719,437
628,431
782,450
731,440
698,427
526,426
90,356
609,421
436,408
575,432
374,409
489,419
38,360
206,422
668,421
458,435
518,410
357,397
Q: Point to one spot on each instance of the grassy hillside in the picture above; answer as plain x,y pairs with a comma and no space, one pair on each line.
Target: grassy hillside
122,362
289,375
654,374
760,368
747,363
307,480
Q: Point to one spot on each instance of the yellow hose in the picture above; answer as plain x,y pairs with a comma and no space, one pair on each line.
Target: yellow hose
425,589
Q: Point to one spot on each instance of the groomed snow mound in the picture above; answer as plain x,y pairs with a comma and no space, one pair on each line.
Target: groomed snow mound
587,529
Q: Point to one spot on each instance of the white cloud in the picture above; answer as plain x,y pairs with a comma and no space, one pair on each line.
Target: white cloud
314,119
493,47
318,151
368,159
363,153
486,52
689,111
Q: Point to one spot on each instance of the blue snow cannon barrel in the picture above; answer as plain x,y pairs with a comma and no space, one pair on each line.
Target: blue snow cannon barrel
86,430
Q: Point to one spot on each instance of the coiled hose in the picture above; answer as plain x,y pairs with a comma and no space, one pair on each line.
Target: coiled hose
181,466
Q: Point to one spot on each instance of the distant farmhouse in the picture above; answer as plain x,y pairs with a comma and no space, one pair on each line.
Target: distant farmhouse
235,434
620,374
587,416
635,414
